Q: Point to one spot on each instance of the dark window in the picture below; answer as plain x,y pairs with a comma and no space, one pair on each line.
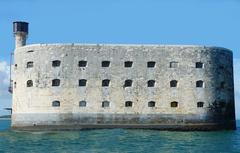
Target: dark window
199,84
173,83
56,82
173,64
56,63
128,64
29,83
105,104
174,104
221,67
56,103
151,83
82,103
15,84
128,83
128,104
105,63
82,63
222,104
30,51
200,104
82,82
222,85
151,104
151,64
29,64
105,83
15,65
199,65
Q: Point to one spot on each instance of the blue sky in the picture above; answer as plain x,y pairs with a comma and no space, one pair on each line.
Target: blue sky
202,22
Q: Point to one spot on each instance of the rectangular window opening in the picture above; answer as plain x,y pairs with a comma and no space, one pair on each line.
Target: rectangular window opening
29,64
151,64
56,63
128,64
82,82
82,63
173,64
105,63
105,83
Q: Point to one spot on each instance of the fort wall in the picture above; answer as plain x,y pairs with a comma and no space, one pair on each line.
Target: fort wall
203,92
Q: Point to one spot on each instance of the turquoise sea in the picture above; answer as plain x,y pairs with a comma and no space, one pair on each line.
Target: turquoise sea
118,140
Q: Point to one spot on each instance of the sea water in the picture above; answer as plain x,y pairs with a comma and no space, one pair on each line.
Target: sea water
118,140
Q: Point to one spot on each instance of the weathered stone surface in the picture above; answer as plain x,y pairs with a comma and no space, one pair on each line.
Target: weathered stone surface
32,106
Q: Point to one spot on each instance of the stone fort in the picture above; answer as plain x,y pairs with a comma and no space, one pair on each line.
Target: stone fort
81,86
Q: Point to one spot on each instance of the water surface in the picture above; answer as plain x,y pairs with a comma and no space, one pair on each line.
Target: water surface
118,140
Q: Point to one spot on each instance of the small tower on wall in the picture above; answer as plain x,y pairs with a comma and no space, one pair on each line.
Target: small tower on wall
20,31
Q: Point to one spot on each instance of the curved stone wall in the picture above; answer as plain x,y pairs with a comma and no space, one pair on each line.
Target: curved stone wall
210,105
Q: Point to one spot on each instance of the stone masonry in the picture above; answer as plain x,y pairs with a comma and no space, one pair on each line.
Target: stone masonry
182,88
